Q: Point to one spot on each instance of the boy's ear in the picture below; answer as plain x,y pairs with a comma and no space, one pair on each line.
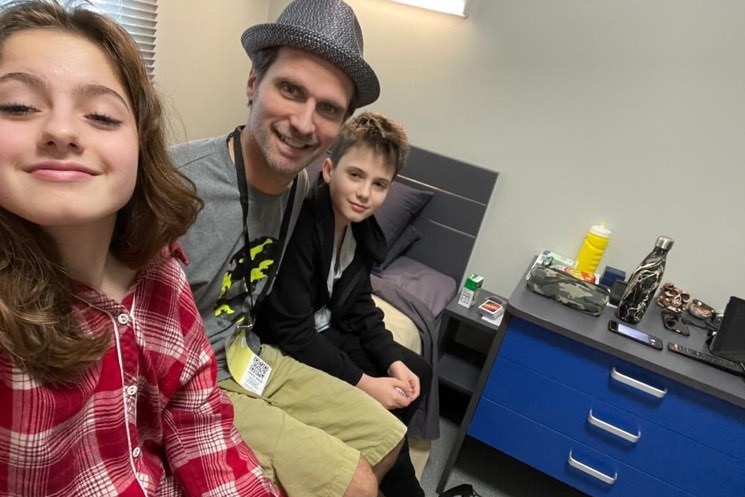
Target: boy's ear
326,168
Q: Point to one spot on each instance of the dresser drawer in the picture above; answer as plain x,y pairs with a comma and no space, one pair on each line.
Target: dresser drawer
561,457
633,440
708,420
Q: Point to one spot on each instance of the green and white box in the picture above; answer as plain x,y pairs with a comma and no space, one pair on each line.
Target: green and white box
470,290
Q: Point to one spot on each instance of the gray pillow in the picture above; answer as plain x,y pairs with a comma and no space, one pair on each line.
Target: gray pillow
401,206
408,237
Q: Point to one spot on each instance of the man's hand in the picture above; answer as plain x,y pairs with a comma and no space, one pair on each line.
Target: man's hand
391,392
399,370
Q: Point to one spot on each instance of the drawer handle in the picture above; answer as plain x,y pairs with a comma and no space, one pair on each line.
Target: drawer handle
633,383
609,480
613,430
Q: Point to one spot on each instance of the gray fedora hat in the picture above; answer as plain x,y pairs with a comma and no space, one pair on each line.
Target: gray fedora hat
326,28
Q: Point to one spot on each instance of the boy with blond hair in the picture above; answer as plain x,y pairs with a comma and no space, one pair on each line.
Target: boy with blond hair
321,310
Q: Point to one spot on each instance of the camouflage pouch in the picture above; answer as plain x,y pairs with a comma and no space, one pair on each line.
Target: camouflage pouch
568,290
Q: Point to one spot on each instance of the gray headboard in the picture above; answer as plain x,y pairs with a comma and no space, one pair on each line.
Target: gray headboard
451,220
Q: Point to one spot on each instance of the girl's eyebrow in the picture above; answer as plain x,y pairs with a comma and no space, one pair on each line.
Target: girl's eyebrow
26,78
94,90
90,90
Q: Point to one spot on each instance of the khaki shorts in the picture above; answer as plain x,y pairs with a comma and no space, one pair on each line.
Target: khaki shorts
309,429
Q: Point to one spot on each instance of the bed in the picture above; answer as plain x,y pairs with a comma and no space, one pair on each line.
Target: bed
431,219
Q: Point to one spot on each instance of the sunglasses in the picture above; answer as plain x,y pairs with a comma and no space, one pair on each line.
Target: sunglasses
675,323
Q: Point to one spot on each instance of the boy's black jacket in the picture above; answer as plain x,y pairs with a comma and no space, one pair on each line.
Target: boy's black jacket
286,316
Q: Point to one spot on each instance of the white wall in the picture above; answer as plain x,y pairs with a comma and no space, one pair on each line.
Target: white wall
200,65
625,111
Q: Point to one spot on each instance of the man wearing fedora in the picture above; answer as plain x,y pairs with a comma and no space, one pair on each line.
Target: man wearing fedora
314,434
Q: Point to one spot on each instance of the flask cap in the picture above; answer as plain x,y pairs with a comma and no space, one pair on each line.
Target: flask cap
664,242
601,230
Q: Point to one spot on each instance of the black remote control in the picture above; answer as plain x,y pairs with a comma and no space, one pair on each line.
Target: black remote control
712,360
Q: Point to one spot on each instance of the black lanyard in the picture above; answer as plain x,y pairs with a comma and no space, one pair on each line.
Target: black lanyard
240,171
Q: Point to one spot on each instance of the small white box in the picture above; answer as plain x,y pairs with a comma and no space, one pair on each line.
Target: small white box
470,290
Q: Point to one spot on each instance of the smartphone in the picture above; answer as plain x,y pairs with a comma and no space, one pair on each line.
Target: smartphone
634,334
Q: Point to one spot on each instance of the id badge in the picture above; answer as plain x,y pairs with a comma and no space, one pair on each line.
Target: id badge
246,367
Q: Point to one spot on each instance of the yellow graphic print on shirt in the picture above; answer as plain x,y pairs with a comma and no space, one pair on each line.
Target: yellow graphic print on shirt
232,303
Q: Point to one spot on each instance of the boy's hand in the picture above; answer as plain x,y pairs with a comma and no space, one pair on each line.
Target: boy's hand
391,392
399,370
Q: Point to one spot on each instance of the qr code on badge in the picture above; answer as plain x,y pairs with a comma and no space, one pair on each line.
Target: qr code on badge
258,368
256,375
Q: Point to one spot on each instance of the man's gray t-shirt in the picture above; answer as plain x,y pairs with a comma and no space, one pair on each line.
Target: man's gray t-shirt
214,244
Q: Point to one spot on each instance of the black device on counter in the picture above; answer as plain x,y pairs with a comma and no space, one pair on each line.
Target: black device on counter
710,359
634,334
729,340
616,292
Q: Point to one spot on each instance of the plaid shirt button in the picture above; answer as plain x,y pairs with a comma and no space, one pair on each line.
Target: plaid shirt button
136,452
122,318
131,390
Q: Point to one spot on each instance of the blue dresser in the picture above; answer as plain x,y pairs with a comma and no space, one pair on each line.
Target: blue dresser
604,414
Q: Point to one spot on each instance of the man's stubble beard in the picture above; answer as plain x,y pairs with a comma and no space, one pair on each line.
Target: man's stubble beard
265,140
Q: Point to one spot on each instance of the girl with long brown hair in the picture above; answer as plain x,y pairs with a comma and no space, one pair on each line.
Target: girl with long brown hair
107,380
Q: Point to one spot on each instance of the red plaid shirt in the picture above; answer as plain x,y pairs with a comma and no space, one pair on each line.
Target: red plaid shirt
148,419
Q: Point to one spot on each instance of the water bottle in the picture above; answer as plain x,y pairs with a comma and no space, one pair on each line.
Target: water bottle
593,247
643,282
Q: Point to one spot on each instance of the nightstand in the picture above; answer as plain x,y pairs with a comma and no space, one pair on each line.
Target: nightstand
464,341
